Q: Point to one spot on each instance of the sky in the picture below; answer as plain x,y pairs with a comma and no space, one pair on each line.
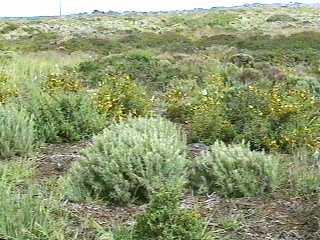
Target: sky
20,8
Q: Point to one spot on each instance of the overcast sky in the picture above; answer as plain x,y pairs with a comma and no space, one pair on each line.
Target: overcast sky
51,7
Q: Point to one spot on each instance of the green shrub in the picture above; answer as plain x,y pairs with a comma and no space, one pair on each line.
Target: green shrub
302,174
143,66
235,171
64,82
129,162
65,117
120,96
9,27
6,90
274,118
204,108
16,132
281,18
165,219
26,213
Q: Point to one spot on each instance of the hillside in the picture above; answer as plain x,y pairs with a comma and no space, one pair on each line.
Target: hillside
188,125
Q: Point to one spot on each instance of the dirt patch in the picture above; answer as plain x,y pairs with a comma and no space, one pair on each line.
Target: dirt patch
55,160
240,219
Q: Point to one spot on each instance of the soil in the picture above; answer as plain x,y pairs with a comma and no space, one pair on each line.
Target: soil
276,218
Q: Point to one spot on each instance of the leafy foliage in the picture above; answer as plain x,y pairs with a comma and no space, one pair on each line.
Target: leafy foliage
64,117
235,171
16,132
120,96
129,162
165,219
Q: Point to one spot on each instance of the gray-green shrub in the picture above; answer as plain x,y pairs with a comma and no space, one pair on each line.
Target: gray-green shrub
129,162
235,171
16,131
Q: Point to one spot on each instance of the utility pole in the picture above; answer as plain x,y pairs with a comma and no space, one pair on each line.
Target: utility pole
60,8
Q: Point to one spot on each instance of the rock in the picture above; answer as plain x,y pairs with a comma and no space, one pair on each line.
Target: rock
197,149
242,60
62,162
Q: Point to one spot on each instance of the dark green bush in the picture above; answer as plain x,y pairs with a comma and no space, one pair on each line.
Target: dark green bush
64,117
143,66
281,18
165,219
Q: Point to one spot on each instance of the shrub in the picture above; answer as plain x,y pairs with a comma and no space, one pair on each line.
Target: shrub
235,171
16,132
120,96
6,91
28,214
275,118
143,66
129,161
65,117
204,108
62,82
302,174
165,219
281,18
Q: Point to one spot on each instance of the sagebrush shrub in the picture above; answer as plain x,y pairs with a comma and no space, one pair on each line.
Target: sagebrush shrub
65,117
16,131
235,171
129,162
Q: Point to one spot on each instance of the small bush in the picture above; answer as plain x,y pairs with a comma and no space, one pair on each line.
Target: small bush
303,176
28,214
65,117
6,90
62,82
165,219
129,162
120,96
204,108
16,132
281,18
235,171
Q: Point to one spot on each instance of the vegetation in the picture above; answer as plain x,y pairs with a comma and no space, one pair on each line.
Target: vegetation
235,171
155,114
16,132
129,162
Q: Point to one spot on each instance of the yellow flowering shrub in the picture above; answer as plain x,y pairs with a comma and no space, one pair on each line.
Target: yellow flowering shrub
120,96
280,117
203,108
6,91
65,82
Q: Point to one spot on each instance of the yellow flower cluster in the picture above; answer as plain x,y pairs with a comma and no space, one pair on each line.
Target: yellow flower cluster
120,96
62,82
6,91
284,106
